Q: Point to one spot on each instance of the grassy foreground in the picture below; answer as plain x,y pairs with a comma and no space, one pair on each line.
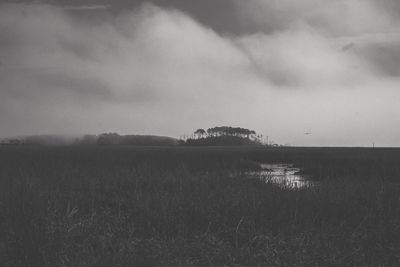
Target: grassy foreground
126,206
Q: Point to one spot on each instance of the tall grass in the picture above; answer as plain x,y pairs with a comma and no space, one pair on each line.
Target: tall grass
195,207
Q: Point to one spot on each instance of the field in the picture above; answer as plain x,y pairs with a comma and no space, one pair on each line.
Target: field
185,206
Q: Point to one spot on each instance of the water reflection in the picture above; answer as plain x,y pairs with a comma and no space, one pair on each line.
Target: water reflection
285,175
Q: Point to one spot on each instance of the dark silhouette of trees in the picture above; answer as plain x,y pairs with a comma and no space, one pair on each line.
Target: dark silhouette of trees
200,133
224,135
231,131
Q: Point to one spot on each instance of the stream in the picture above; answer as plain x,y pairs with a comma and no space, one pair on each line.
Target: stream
283,174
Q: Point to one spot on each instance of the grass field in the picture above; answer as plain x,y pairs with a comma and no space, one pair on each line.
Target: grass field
184,206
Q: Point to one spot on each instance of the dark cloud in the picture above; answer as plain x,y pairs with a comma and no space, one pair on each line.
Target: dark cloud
221,15
392,7
384,58
348,46
250,16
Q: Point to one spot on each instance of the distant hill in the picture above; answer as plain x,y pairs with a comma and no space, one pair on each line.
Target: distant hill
102,139
135,140
45,140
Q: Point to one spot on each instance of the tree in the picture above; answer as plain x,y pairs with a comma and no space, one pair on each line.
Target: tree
200,133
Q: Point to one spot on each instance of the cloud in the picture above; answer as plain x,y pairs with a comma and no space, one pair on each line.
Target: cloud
371,26
334,18
303,59
158,70
141,65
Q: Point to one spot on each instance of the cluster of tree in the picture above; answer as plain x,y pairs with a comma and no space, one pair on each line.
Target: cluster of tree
225,130
224,135
224,140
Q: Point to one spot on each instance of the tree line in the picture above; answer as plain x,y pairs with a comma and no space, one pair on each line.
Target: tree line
223,135
225,131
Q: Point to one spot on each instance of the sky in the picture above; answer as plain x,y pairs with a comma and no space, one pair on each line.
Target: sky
281,67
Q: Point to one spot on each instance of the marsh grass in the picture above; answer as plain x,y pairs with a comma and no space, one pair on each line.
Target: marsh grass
196,207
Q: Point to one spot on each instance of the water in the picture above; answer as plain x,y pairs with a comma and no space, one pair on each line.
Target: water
285,175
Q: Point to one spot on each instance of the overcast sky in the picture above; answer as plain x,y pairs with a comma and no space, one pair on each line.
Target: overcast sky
280,67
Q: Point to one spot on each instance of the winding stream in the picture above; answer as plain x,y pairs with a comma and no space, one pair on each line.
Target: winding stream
283,174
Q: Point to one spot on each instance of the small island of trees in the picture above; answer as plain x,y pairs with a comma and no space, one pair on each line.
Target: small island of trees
223,136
